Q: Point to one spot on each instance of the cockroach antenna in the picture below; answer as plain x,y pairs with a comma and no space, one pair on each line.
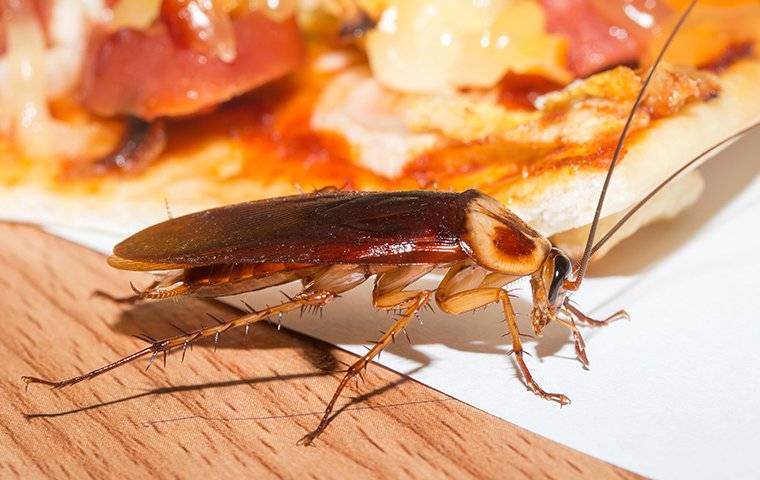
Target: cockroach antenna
672,177
587,252
168,208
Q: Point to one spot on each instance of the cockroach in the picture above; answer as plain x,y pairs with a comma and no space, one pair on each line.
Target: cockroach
332,241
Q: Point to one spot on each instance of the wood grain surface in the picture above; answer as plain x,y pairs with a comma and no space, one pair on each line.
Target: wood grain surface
237,411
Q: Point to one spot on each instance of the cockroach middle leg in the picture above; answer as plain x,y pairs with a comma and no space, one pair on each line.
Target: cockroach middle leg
517,350
414,305
183,341
586,320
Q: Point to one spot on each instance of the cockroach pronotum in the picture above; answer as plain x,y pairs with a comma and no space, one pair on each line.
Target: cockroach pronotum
332,241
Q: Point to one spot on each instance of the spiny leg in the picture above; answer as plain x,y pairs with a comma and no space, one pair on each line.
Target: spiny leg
517,349
155,291
414,305
586,320
137,296
580,345
467,287
184,340
576,315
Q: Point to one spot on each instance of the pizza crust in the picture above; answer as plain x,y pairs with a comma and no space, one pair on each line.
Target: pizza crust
667,204
564,199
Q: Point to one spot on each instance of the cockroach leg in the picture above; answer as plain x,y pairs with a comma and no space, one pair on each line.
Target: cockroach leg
389,293
137,296
182,341
580,345
454,297
517,349
414,305
586,320
125,300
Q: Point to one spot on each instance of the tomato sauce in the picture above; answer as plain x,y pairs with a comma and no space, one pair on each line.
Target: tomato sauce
272,128
732,54
519,91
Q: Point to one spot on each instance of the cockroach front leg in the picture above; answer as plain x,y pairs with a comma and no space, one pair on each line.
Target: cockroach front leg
413,305
580,345
517,349
586,320
576,315
467,287
157,347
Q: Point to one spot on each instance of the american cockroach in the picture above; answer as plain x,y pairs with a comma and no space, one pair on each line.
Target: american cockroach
332,241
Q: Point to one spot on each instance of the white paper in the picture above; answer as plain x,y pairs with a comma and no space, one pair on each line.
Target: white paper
670,394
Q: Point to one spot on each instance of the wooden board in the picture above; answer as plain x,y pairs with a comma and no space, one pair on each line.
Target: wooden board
237,411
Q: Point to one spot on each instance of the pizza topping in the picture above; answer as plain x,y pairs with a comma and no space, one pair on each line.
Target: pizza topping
462,119
673,87
371,118
206,25
618,84
579,125
141,143
436,45
138,14
714,28
734,52
604,33
520,92
145,73
40,64
202,25
388,128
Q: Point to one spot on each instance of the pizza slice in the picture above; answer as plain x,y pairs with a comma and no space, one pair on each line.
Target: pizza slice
522,99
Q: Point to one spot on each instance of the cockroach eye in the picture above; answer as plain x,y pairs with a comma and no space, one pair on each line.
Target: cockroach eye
562,269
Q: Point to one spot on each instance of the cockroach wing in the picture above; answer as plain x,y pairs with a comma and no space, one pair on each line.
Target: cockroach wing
319,228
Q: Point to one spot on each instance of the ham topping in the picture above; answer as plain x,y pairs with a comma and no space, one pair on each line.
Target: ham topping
604,33
147,74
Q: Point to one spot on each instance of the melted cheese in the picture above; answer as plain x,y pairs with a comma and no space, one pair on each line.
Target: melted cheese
439,45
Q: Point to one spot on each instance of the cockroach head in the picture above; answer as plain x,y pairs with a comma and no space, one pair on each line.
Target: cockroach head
548,285
561,270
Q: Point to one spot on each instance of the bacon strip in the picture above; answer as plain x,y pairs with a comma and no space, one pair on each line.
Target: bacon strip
603,33
148,75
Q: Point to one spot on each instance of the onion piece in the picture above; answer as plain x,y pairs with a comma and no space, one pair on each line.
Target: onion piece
25,85
24,95
139,14
141,143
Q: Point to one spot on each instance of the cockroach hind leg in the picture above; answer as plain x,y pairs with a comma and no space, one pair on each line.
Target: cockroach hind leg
182,341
